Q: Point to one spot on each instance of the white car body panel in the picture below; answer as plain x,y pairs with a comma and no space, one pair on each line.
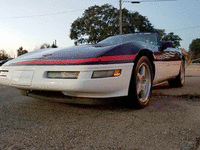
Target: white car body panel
165,70
33,78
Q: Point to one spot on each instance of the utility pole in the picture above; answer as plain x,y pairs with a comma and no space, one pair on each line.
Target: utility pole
133,2
120,13
120,16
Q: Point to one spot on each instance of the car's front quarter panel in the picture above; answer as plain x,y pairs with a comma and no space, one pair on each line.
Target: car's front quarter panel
34,78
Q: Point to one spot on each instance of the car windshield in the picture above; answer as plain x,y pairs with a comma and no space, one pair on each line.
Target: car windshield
143,37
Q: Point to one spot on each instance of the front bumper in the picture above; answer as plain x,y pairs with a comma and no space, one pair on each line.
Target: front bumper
34,78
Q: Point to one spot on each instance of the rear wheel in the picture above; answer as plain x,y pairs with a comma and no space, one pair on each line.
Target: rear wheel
180,79
141,83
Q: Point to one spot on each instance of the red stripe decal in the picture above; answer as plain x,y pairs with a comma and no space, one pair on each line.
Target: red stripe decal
69,61
74,61
121,57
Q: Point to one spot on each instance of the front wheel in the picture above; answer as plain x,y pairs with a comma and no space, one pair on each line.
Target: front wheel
141,83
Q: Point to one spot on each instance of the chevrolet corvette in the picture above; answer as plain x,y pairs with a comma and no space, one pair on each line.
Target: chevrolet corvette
123,65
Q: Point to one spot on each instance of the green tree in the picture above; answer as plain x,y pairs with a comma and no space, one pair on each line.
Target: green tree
100,22
161,33
194,48
44,46
3,55
21,51
54,45
171,37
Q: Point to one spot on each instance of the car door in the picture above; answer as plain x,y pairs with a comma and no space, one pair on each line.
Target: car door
167,63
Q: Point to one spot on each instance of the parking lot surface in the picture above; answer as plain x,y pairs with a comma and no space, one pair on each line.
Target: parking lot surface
170,122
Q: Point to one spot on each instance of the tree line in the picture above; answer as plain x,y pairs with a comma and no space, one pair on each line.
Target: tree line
4,55
21,50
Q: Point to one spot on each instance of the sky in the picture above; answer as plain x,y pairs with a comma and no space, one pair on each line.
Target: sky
30,24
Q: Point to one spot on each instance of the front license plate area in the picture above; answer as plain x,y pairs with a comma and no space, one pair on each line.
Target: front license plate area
23,78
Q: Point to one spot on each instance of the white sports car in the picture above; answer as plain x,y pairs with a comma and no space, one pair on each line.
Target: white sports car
123,65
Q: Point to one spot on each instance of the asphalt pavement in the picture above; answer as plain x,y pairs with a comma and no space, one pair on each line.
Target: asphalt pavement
170,122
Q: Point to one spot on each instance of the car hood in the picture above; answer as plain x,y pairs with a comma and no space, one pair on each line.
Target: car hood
84,54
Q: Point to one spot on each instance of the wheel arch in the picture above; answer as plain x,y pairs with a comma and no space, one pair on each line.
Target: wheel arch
137,100
149,55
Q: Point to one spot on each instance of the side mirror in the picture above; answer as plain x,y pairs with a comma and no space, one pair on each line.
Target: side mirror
166,44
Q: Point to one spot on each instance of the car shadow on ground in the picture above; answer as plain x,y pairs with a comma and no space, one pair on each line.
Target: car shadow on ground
161,86
112,104
98,104
119,103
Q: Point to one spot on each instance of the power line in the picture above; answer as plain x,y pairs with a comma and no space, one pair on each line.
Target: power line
150,1
64,12
43,15
133,2
186,28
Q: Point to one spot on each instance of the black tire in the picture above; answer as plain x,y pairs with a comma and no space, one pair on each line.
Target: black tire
180,79
141,83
